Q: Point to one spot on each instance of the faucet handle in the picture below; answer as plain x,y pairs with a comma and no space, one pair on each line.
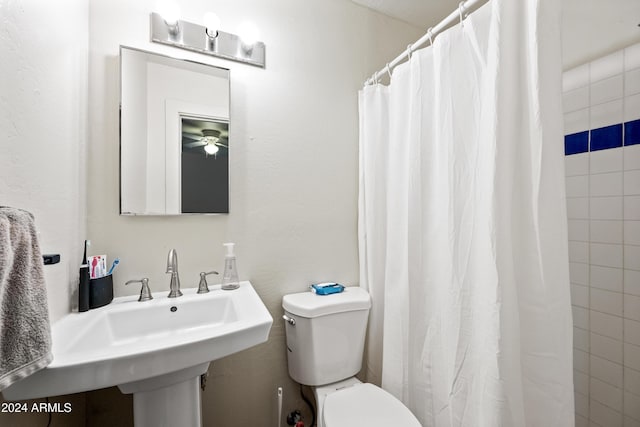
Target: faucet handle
145,292
203,287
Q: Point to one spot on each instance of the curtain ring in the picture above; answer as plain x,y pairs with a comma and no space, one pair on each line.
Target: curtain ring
430,35
409,51
388,71
461,13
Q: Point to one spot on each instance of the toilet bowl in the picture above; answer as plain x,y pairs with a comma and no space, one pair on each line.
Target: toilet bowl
325,344
351,403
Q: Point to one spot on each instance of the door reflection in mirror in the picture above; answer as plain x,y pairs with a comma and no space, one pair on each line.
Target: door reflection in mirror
205,165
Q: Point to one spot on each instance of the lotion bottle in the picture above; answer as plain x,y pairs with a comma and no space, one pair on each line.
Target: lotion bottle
230,276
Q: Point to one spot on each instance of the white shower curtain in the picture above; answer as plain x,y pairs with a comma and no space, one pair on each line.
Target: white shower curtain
462,224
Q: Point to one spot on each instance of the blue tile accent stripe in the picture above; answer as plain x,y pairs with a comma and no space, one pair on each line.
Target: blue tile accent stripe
576,143
606,137
632,133
614,136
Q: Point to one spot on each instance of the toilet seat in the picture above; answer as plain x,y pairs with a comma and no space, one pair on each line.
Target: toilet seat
365,405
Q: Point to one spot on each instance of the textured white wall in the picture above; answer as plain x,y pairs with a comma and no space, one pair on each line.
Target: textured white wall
294,169
43,101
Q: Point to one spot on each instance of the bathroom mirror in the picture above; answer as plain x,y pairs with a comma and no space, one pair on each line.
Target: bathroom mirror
174,135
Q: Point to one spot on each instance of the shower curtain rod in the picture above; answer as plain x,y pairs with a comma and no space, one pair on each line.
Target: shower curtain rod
457,14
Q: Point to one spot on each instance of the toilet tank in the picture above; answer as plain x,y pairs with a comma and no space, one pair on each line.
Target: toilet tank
325,336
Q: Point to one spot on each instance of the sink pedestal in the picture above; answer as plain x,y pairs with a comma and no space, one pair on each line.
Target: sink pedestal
169,400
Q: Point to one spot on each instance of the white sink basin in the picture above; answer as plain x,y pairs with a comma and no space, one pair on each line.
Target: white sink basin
142,346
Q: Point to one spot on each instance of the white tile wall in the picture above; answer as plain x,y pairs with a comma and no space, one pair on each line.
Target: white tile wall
577,121
609,372
581,361
632,332
603,209
632,380
631,182
607,66
606,114
607,90
631,84
632,356
606,255
606,302
575,78
580,317
630,422
632,257
583,420
632,232
578,186
578,208
579,273
632,406
631,57
631,155
580,295
577,99
605,161
606,324
606,207
604,416
632,207
631,282
578,230
606,184
631,108
606,394
581,382
632,307
610,279
577,164
606,232
582,405
606,348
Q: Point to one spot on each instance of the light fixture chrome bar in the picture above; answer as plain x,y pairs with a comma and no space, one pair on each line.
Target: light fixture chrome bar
194,37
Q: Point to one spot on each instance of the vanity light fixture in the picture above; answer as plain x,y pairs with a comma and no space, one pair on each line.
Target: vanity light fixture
248,35
170,12
167,28
212,24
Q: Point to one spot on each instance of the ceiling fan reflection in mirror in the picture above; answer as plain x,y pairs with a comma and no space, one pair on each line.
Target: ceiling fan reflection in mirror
208,135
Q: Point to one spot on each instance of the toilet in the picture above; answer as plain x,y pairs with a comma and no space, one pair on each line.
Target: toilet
325,344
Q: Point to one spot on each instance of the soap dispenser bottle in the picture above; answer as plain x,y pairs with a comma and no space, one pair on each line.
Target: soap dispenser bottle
230,276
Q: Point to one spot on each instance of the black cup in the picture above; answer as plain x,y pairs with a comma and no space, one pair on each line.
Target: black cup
100,291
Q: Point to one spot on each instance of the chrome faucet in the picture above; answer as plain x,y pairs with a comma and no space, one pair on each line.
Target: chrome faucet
172,268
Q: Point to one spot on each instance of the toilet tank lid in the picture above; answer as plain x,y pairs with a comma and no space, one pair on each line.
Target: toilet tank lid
308,304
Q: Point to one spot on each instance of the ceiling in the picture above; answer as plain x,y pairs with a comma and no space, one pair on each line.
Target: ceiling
591,28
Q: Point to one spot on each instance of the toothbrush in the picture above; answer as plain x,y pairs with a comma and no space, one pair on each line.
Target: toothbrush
115,262
84,257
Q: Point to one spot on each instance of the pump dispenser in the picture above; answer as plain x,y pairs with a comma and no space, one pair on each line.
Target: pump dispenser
230,276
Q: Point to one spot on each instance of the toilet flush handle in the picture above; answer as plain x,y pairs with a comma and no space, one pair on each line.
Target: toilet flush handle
289,320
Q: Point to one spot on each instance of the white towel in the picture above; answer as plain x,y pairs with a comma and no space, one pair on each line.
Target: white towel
25,335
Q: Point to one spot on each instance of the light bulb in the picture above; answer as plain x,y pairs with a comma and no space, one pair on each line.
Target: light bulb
248,33
211,148
212,24
170,12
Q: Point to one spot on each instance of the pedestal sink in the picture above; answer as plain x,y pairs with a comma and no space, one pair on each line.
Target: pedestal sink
155,349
